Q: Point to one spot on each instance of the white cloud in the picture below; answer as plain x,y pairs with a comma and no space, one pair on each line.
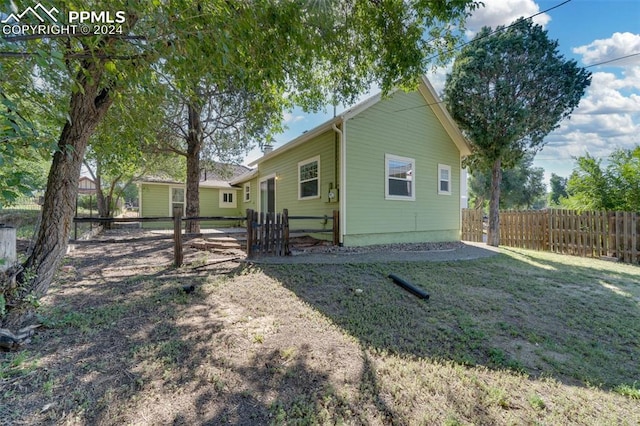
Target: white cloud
438,77
604,96
597,134
618,45
608,116
290,118
503,12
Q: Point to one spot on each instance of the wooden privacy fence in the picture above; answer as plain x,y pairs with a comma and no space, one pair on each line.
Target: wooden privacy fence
472,225
587,234
524,229
268,233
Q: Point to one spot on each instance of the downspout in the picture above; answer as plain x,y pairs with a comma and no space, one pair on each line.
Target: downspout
343,179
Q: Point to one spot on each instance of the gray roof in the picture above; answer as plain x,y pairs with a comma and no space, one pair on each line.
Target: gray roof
217,175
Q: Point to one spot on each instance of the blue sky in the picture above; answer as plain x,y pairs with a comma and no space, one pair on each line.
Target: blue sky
589,31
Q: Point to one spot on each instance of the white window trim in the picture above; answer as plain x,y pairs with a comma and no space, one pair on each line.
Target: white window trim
302,163
247,192
184,200
439,180
226,205
387,158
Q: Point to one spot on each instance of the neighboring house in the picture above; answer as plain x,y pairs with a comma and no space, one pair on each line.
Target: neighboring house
158,196
391,166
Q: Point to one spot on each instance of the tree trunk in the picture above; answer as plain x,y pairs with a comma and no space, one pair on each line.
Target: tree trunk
194,145
101,203
87,108
493,234
101,200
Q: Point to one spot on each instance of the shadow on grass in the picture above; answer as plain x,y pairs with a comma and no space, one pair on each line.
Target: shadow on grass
572,319
111,349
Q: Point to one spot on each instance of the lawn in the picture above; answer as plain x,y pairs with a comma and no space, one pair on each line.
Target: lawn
520,338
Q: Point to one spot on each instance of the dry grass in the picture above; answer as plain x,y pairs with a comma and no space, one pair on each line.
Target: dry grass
521,338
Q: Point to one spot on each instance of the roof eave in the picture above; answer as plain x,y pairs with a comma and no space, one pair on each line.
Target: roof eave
327,125
244,177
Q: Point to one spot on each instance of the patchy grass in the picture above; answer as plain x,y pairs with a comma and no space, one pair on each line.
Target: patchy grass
520,338
577,320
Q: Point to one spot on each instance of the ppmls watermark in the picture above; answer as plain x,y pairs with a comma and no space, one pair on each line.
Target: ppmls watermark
41,21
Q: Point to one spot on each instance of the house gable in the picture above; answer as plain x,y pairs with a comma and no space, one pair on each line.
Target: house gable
404,126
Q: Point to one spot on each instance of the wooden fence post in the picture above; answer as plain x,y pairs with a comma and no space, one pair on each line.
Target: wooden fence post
249,233
267,233
177,236
336,227
285,232
7,247
261,232
634,238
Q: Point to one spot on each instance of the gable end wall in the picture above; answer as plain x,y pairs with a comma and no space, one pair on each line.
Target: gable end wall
402,125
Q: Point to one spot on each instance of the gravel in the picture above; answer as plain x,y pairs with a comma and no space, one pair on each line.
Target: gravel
420,252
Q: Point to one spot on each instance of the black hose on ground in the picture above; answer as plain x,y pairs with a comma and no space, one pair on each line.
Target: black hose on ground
410,287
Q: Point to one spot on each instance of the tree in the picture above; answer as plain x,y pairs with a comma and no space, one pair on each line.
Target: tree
616,187
25,146
624,170
521,187
303,53
125,147
508,89
558,188
215,119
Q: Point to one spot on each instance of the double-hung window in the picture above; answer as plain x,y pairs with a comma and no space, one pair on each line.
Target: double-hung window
247,192
444,179
227,199
399,178
309,179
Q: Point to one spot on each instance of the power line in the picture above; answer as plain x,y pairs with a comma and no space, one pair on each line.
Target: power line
614,60
499,29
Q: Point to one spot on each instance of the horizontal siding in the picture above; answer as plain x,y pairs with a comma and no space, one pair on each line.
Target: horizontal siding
401,237
402,125
155,200
155,203
210,203
252,203
210,206
285,166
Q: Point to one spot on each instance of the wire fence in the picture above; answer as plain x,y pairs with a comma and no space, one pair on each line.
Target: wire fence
24,203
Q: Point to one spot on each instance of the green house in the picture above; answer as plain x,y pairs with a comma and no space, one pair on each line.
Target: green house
391,166
158,196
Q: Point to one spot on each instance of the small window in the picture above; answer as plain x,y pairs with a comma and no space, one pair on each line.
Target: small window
227,199
177,199
444,179
309,179
400,178
247,192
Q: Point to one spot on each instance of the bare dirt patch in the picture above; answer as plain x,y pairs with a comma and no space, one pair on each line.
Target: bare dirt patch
122,343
